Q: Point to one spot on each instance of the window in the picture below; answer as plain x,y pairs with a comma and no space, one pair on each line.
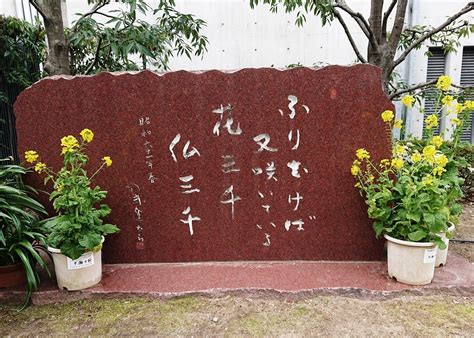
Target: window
436,68
467,79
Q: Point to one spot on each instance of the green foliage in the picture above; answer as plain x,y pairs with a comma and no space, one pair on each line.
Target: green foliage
20,235
22,49
120,40
78,227
448,38
414,195
322,8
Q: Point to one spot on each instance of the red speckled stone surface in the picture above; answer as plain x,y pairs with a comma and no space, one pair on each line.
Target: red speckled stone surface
136,117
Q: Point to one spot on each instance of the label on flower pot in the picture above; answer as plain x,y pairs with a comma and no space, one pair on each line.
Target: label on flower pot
430,255
84,261
217,166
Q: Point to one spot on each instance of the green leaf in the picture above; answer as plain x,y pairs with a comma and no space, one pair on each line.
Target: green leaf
109,229
417,236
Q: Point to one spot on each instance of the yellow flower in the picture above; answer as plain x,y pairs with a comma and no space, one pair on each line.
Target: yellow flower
362,154
427,180
429,152
357,185
439,171
107,160
387,116
441,160
355,170
408,100
399,150
431,121
458,108
39,167
437,141
384,162
371,178
416,157
469,105
398,124
444,82
397,163
69,143
87,135
447,100
456,121
31,156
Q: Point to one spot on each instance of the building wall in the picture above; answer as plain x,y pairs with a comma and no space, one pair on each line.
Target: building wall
240,37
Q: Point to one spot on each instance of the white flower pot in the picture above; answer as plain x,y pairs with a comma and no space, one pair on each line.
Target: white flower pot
82,273
411,262
442,255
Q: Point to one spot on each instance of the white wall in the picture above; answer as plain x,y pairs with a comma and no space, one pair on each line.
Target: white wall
240,37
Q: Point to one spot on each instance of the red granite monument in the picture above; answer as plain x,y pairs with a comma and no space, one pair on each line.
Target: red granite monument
213,166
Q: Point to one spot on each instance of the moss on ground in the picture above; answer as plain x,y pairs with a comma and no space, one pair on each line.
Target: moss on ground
323,315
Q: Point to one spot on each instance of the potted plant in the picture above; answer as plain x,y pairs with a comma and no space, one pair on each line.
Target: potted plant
20,236
412,197
76,233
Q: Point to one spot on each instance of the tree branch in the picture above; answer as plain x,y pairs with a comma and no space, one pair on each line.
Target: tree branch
94,10
397,28
39,9
96,57
375,18
349,36
410,89
361,21
469,7
386,16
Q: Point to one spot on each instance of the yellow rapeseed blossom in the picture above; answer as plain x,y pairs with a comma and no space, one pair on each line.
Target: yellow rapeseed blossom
398,124
416,157
107,160
385,163
437,141
362,154
469,105
355,170
39,167
387,116
357,185
456,121
447,100
408,100
429,152
444,82
87,135
427,180
441,160
399,150
431,121
458,108
69,143
59,187
397,163
31,156
438,170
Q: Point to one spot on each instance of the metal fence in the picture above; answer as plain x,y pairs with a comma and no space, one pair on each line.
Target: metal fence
8,144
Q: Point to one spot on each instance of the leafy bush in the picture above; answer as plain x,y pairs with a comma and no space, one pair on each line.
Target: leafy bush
20,235
22,49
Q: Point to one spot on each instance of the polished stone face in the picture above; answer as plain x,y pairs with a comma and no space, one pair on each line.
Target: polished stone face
245,165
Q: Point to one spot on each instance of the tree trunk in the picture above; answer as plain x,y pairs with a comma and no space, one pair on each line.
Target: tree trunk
57,60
